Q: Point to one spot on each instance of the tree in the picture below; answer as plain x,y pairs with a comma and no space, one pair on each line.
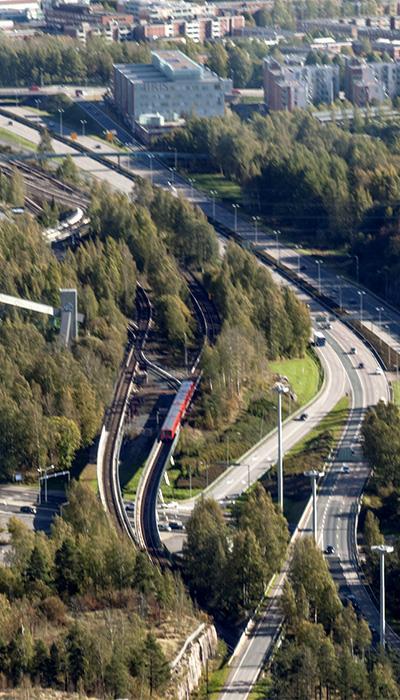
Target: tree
45,145
157,669
372,533
64,439
217,59
116,678
240,66
68,574
77,660
16,193
68,171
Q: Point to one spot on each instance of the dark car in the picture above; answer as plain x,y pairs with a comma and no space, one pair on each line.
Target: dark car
28,509
330,549
176,525
361,365
304,416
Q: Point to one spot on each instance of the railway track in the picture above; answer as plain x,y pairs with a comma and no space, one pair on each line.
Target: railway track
115,416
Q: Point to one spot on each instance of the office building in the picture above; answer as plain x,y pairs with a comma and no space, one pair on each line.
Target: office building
171,87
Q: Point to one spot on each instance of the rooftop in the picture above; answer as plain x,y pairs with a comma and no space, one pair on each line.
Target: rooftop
166,66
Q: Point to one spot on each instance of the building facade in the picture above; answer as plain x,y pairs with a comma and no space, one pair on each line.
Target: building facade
295,85
171,87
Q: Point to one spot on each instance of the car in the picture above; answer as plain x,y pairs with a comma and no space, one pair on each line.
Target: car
379,370
98,145
10,123
28,509
129,506
303,267
361,365
164,527
346,469
176,525
304,416
330,549
353,351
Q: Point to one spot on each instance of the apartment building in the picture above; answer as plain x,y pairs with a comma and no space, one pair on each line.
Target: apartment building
198,29
366,83
171,87
295,85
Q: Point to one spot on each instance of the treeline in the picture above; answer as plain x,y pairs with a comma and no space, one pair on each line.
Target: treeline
260,321
324,184
326,650
48,60
53,398
76,608
381,443
227,567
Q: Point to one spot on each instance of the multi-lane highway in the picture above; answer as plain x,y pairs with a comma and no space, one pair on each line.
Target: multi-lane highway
340,490
336,506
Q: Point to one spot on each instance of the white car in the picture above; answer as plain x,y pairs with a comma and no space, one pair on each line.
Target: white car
164,527
346,469
379,370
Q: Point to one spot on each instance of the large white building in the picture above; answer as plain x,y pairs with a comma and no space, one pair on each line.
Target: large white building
171,87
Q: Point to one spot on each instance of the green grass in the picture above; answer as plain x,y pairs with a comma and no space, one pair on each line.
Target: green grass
260,690
304,375
396,392
313,446
218,672
226,189
7,136
172,493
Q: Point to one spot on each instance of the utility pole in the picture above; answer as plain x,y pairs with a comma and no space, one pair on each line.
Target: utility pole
379,310
83,122
356,258
280,389
313,474
382,550
256,220
213,194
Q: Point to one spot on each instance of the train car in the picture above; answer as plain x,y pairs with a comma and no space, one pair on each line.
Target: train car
177,410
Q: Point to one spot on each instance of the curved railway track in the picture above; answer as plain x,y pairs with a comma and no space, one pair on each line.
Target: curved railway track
137,335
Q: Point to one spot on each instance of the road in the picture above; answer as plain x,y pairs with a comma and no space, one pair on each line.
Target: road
336,505
340,491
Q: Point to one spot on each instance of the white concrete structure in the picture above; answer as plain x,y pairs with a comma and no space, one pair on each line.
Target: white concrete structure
172,85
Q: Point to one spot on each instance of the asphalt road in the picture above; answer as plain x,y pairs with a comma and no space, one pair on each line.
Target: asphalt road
340,491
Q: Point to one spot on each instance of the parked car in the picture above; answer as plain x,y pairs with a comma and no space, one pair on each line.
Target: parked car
346,469
129,506
28,509
379,370
164,527
176,525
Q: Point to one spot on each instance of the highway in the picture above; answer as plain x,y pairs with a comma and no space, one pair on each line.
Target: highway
336,505
339,495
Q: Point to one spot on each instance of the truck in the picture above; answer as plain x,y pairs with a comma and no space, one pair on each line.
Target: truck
319,339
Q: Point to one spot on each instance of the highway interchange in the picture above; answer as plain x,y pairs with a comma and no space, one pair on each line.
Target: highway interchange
340,491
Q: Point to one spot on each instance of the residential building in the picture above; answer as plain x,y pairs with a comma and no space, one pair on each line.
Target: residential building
171,87
198,29
295,85
366,83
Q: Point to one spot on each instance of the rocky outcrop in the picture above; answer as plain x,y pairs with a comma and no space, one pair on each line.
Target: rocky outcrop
189,665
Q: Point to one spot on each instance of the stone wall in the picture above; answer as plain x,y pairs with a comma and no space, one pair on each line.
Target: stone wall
189,665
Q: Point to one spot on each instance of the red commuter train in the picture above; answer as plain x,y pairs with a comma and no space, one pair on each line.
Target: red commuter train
177,410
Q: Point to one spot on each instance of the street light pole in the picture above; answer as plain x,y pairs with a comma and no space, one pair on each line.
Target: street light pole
280,389
235,208
256,220
83,122
379,310
278,249
361,295
191,187
356,258
313,474
382,550
319,263
340,278
61,111
213,194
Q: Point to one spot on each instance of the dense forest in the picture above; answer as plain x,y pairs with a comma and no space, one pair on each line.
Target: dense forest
78,607
380,517
321,183
326,650
227,567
